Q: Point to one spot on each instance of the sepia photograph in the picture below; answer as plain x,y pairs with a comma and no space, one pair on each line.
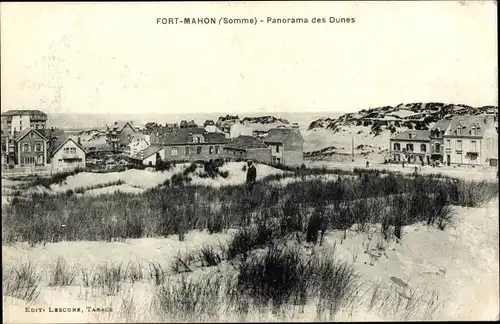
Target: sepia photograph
233,161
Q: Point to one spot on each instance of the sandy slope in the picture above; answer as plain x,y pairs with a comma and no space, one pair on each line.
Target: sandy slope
461,264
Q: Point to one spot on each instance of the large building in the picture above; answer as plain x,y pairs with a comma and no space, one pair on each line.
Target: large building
411,146
121,134
471,140
16,121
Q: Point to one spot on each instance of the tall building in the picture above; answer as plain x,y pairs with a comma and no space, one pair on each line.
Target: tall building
16,121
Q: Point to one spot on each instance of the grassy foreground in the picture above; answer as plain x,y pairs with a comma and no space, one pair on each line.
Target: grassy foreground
273,264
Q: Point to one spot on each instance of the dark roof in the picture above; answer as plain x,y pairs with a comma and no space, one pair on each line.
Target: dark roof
184,136
59,143
277,135
162,130
244,142
24,112
152,149
209,122
481,122
150,125
416,135
25,132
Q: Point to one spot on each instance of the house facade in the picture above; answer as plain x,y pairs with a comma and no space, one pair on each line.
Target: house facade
120,135
19,120
437,140
193,144
68,154
31,148
247,148
472,140
287,146
411,146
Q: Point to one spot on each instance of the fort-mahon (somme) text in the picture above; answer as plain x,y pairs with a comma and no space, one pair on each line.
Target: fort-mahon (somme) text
252,20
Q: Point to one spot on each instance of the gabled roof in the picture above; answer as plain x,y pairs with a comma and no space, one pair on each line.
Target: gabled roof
480,122
25,132
417,135
245,142
152,149
61,145
277,135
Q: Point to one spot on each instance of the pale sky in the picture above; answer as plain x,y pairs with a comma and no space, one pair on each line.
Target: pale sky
114,58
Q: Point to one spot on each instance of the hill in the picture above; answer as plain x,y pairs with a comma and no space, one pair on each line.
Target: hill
372,128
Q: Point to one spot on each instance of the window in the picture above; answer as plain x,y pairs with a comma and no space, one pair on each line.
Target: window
409,147
217,150
459,145
473,146
473,131
29,160
278,160
72,150
38,147
459,158
277,148
448,144
187,150
26,147
39,159
423,148
150,163
438,148
210,150
198,150
397,147
459,131
174,151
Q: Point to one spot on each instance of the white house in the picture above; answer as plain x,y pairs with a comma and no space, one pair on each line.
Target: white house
213,129
68,155
152,154
239,129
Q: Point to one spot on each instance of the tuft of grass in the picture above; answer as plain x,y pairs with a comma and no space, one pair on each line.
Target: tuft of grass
21,281
62,274
209,257
188,299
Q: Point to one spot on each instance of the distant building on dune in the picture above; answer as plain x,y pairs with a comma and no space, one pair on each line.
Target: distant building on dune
238,129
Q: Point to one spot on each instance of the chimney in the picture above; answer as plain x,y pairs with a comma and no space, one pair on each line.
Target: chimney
79,141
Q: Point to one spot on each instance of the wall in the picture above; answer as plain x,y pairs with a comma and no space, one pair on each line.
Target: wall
489,147
40,156
293,158
193,156
152,158
19,123
262,155
62,159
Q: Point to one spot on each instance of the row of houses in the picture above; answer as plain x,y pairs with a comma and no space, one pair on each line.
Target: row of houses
283,146
462,140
